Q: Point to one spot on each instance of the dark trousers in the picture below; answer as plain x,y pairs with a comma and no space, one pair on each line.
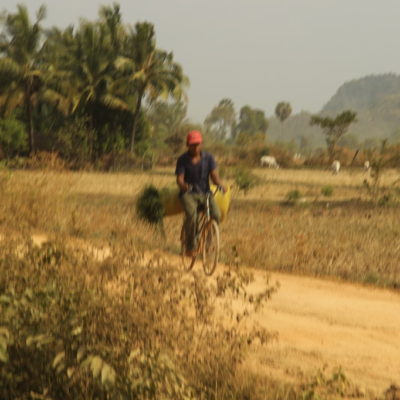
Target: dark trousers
190,202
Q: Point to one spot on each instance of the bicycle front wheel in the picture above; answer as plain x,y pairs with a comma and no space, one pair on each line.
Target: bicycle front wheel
210,247
187,262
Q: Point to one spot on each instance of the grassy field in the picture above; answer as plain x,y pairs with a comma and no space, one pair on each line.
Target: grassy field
336,232
343,235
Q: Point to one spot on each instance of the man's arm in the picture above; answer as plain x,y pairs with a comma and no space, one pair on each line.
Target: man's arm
180,180
180,175
215,179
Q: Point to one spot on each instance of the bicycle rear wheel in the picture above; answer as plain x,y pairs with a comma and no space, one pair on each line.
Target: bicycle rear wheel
210,247
187,262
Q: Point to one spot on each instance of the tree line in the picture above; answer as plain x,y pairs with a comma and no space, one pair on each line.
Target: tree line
104,87
80,88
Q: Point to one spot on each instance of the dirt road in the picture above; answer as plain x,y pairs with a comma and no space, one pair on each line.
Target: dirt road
338,324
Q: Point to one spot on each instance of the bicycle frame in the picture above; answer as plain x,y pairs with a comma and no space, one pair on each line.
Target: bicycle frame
203,216
204,223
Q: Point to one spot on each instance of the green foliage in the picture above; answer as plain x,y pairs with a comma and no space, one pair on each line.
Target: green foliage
334,128
252,121
221,121
149,71
101,72
149,205
327,190
245,179
21,74
167,126
283,110
379,160
13,138
74,142
293,196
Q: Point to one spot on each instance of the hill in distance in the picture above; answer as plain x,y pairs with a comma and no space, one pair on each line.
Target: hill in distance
375,98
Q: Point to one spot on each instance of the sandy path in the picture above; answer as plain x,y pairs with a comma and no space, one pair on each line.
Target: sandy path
338,324
321,322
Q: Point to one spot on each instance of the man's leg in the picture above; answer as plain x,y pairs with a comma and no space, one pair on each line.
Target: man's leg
190,206
214,210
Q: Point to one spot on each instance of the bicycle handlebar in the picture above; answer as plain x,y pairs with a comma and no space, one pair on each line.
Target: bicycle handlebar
192,187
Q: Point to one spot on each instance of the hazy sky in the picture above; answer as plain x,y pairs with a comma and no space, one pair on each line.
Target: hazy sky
260,52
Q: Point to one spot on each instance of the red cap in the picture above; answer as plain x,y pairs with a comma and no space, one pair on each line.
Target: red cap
194,137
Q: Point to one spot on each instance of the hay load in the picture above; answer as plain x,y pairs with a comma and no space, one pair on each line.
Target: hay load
153,204
149,205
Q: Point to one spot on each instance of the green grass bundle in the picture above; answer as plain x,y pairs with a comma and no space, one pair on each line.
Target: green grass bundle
150,206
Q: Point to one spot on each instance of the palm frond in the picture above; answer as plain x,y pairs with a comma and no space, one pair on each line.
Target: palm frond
13,99
9,69
113,102
62,103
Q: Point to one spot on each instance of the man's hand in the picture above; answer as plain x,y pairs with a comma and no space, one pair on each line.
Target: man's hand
222,188
180,180
216,181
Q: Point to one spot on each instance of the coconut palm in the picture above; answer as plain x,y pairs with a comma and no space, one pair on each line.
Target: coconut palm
84,70
21,76
283,111
149,71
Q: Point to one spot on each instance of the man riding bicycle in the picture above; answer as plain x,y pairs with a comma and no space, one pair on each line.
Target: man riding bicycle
194,168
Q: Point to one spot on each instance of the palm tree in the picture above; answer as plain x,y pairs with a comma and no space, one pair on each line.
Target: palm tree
21,76
283,111
85,72
150,72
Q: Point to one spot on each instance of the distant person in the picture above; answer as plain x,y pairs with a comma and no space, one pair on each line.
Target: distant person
194,168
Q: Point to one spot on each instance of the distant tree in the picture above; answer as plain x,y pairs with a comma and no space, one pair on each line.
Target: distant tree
283,111
221,121
252,121
177,141
166,119
334,128
21,76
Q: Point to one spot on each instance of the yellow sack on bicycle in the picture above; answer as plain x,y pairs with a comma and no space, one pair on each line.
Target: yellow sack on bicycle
173,205
170,200
223,200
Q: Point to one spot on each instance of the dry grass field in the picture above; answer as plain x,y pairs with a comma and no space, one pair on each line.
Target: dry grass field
337,233
342,235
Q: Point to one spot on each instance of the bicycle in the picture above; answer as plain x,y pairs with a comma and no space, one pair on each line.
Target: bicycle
207,234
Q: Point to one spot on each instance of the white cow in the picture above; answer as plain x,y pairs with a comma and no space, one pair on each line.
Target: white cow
269,161
367,166
335,167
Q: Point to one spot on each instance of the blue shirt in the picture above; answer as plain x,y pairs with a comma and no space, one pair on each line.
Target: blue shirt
198,174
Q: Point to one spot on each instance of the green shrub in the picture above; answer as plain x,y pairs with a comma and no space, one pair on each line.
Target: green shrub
293,196
13,137
327,191
74,143
245,179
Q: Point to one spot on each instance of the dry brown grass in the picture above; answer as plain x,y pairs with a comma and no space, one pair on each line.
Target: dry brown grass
342,235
